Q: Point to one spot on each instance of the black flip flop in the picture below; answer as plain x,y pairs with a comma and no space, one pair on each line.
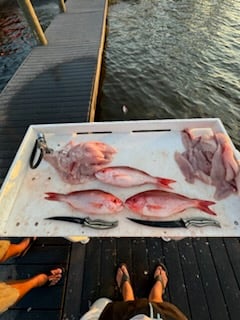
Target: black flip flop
125,277
159,277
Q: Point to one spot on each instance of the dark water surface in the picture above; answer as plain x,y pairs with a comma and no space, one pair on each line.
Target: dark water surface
16,39
173,59
163,59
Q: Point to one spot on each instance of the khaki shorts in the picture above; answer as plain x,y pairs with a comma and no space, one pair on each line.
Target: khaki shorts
4,245
8,296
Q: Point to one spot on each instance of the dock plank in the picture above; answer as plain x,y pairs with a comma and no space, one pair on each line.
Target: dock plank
16,314
226,277
193,283
210,281
92,273
176,290
140,268
73,292
108,263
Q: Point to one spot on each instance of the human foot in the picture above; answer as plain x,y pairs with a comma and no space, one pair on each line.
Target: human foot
50,279
25,245
161,275
122,276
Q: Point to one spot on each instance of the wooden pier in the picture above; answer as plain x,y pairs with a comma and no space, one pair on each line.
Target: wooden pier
58,83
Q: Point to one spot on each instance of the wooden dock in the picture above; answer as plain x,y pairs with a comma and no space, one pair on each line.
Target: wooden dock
57,84
204,275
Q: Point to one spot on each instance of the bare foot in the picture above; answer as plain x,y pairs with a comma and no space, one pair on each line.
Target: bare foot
161,275
24,245
53,278
122,275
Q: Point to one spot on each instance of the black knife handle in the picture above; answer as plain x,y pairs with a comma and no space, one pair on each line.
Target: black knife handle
161,224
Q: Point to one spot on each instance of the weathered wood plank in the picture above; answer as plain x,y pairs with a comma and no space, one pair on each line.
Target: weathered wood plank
210,280
73,295
193,282
108,268
140,267
226,277
92,272
30,314
176,289
233,248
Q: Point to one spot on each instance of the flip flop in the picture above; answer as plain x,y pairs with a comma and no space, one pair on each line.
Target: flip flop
159,277
31,242
125,276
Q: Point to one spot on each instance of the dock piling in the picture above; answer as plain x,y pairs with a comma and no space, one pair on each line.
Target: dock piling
33,21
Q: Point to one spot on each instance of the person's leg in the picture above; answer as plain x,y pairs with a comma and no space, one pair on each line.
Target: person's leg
123,281
24,286
160,282
15,250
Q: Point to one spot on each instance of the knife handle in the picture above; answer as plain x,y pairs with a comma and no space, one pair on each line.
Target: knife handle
201,222
99,224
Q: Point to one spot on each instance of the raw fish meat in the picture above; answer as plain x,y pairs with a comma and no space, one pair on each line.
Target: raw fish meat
77,163
161,204
124,176
210,158
89,201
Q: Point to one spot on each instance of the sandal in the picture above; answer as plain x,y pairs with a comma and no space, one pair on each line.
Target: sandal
125,276
158,277
31,242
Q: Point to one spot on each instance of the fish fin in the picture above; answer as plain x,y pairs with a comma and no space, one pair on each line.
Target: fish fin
203,205
165,182
53,196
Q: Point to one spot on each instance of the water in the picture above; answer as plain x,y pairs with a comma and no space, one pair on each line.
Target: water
172,59
163,59
16,39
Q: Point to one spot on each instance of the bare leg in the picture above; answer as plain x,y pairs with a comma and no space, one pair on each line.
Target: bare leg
15,250
24,286
125,287
159,286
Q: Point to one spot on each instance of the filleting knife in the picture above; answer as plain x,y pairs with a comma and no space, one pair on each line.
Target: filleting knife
182,223
87,222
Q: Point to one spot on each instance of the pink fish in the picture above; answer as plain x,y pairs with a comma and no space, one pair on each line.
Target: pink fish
160,204
89,201
124,176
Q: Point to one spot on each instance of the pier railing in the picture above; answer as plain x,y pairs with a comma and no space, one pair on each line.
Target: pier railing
32,19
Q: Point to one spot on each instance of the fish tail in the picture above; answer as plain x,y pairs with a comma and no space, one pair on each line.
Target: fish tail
204,206
165,182
53,196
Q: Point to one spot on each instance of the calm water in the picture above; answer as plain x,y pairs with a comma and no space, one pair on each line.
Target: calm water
173,59
163,58
16,39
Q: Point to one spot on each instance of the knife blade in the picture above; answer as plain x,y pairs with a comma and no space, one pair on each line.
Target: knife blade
87,222
181,223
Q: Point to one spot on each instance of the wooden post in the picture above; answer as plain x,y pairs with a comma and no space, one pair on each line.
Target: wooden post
62,5
33,21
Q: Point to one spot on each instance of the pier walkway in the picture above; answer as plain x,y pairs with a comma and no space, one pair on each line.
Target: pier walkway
57,84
